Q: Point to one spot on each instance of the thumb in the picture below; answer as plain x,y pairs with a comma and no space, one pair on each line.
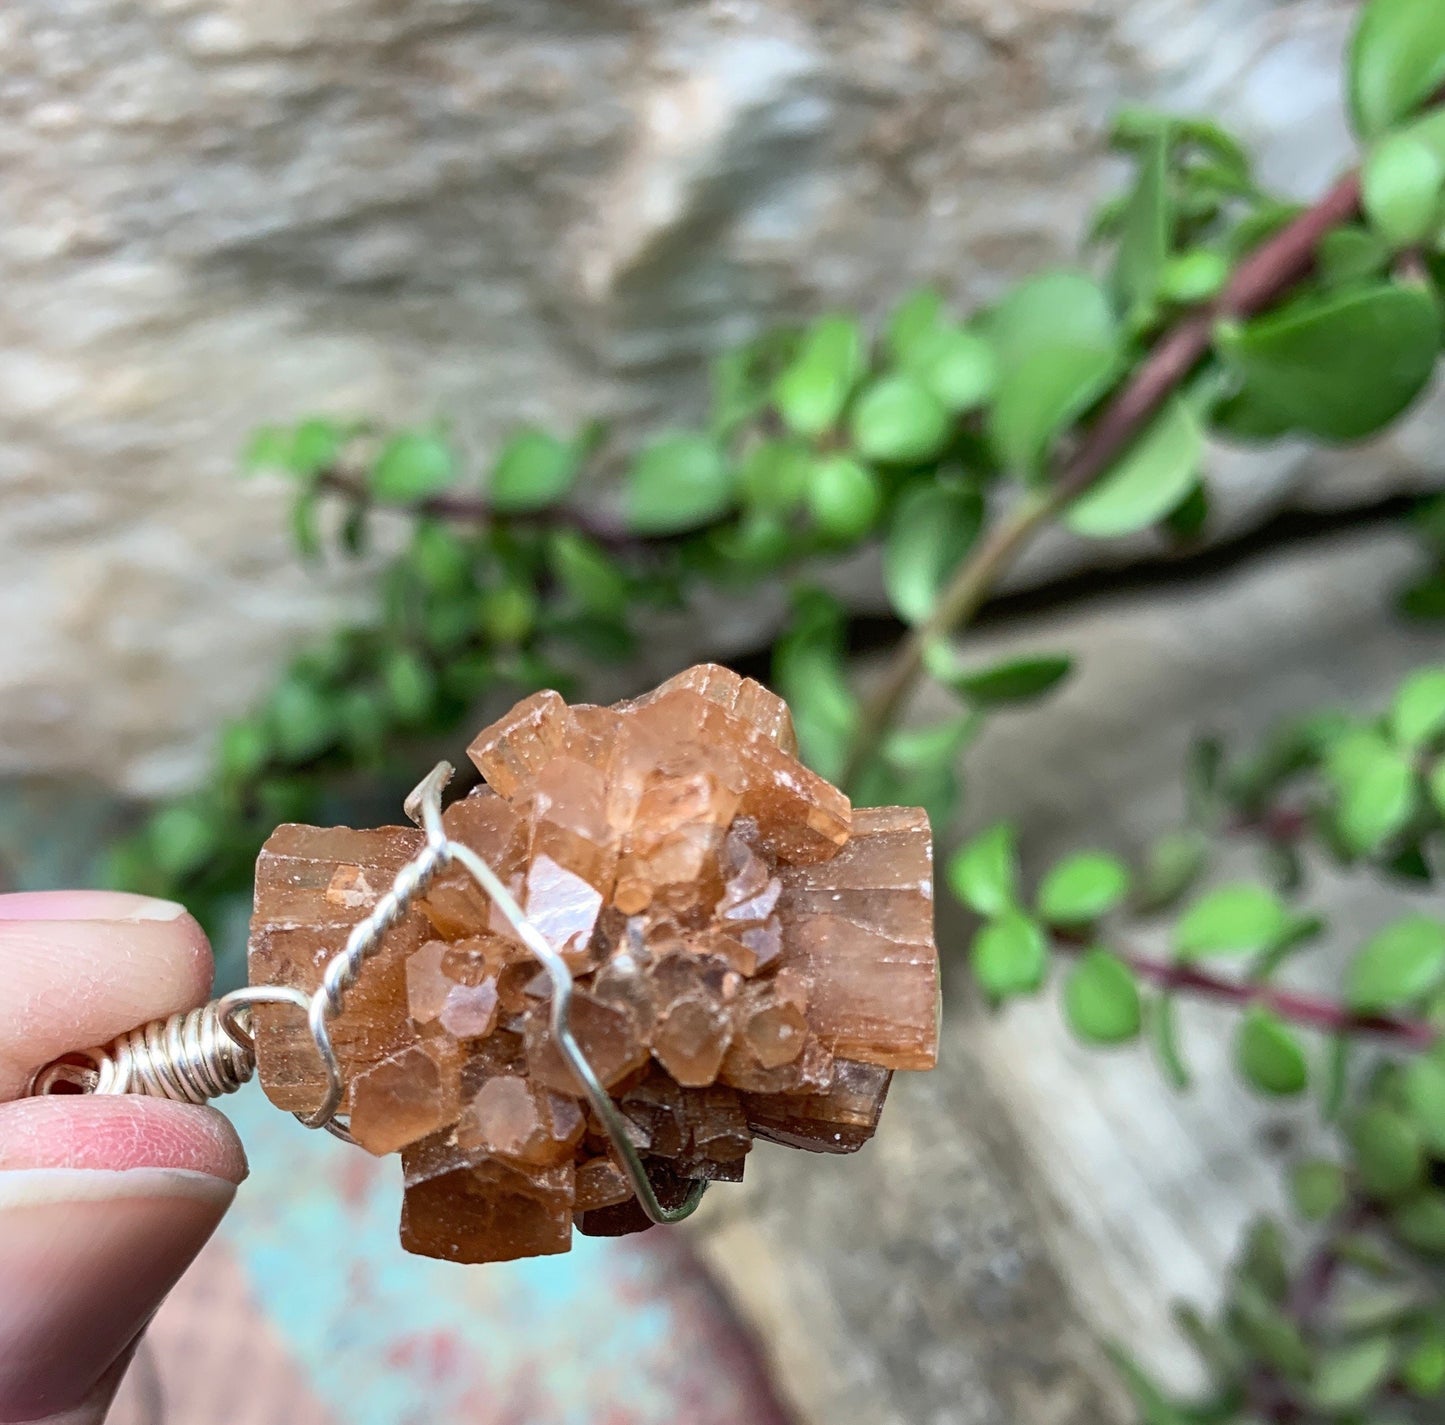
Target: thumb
104,1202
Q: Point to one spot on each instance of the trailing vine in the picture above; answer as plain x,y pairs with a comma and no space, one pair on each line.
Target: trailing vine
1206,309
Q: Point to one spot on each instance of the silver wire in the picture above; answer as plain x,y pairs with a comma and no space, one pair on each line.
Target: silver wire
212,1051
425,806
189,1058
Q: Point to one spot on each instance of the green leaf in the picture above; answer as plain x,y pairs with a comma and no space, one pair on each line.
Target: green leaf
301,719
1350,1375
918,320
1081,888
932,529
315,444
1019,680
1397,60
269,448
916,767
363,723
1269,1055
960,369
1375,1308
305,533
245,749
1336,1083
507,614
739,552
1193,277
810,393
1241,919
1164,1033
1423,1087
1101,1000
1058,347
1186,522
1341,365
1153,1405
1263,1262
591,577
774,475
1388,1155
181,838
1319,1189
1418,715
1174,863
897,420
808,671
984,872
1423,1370
1436,782
1149,480
1351,254
844,497
533,471
1377,793
1399,965
1144,239
1299,931
883,781
1400,187
410,686
678,483
1266,1327
411,466
1010,956
1419,1222
441,557
355,533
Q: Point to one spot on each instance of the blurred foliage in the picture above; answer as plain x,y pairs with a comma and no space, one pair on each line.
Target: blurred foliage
945,442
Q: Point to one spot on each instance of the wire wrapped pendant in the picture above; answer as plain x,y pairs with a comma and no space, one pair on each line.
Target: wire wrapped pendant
577,995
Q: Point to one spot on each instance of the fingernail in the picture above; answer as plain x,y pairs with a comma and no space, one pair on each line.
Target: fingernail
86,905
86,1257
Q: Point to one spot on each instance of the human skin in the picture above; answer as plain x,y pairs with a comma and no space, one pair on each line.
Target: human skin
104,1201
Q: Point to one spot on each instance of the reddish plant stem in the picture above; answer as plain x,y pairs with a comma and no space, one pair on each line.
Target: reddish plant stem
1265,276
1258,282
1310,1011
1321,1269
468,509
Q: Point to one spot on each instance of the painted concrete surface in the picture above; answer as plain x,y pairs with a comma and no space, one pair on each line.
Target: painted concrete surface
306,1310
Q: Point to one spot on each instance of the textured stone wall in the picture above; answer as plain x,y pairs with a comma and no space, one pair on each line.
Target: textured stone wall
222,211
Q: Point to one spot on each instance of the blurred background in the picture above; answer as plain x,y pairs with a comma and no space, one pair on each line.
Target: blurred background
220,213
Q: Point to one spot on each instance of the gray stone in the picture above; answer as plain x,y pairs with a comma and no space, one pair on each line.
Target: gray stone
219,214
1027,1184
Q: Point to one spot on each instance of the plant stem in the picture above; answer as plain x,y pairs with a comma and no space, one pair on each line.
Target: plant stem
1313,1286
1310,1011
956,606
1259,281
471,509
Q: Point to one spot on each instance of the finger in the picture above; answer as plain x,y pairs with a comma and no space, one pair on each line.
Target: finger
79,967
104,1202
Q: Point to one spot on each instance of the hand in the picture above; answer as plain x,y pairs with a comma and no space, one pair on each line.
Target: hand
104,1201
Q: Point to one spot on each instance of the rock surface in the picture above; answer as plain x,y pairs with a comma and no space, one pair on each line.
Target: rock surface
1029,1184
223,213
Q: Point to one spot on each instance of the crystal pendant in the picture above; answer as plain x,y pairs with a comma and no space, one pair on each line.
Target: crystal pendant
752,959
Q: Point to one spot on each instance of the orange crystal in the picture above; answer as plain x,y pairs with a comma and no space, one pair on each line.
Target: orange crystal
752,956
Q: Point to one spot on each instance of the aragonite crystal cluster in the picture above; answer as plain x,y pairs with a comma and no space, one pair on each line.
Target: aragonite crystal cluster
753,958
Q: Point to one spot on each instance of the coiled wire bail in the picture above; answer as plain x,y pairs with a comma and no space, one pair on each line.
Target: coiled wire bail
188,1058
